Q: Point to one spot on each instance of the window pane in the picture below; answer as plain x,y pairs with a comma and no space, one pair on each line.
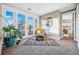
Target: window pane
30,25
21,23
9,17
36,23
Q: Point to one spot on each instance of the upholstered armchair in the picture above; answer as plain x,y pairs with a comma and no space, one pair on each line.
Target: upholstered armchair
40,31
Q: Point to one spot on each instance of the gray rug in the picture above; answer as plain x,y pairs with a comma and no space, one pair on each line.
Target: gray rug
49,42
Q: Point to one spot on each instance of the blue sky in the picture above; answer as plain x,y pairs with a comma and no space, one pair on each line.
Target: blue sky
9,16
21,18
30,20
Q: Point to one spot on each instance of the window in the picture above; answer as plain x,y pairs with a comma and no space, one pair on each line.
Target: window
30,25
21,23
9,17
36,23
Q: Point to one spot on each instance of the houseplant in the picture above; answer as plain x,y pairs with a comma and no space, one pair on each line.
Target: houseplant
10,35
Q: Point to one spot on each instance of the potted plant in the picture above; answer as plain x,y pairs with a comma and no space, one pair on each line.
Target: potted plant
10,35
6,34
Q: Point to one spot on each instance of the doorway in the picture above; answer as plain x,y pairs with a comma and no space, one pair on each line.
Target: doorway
68,25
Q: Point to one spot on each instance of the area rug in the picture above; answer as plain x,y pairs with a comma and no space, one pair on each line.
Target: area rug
47,42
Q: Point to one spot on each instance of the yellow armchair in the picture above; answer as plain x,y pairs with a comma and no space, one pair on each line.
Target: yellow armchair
40,31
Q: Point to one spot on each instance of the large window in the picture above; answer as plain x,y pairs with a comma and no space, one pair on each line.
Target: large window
36,23
21,23
30,25
9,17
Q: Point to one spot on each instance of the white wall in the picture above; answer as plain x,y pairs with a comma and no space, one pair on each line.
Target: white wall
55,28
77,27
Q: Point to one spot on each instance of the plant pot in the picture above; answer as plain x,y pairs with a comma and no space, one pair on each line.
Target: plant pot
11,42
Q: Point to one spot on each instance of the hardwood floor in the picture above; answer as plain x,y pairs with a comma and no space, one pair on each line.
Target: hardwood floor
8,50
68,47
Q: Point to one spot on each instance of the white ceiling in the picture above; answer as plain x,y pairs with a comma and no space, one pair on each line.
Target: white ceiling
43,8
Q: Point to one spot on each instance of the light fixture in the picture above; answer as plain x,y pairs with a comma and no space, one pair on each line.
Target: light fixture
49,17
